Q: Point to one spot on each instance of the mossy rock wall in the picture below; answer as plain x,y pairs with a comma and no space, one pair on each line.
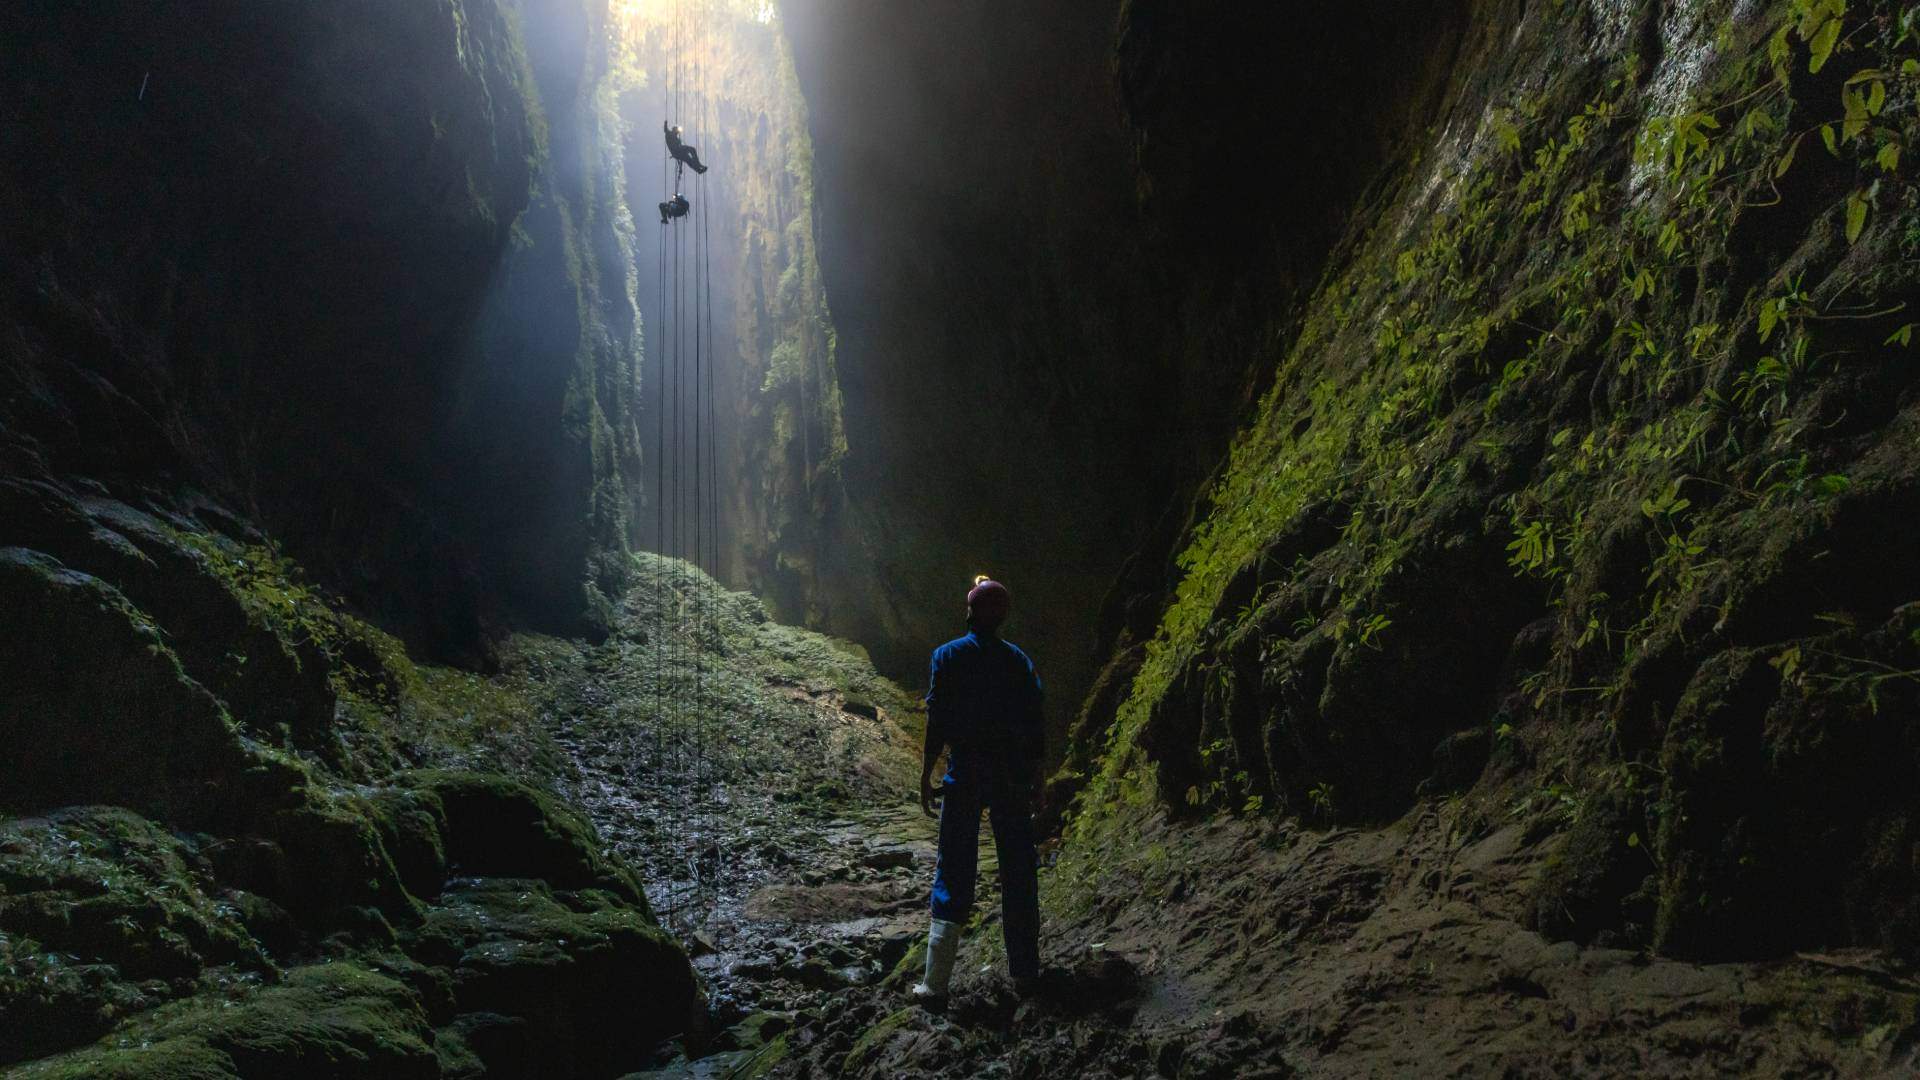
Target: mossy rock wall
1581,488
361,270
196,884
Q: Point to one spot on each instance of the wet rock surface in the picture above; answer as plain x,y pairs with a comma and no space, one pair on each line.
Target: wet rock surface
759,781
1251,951
749,780
797,881
1232,948
193,885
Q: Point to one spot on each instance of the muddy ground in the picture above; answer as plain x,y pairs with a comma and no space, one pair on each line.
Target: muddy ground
782,847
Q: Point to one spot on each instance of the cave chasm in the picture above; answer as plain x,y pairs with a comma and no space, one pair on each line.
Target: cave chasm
1454,464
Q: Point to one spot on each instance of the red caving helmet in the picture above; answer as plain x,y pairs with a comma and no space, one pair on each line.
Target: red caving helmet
988,602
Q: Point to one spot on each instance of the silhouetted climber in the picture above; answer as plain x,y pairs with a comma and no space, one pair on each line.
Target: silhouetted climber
682,153
983,707
675,207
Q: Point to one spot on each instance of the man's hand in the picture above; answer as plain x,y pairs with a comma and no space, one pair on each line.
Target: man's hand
928,796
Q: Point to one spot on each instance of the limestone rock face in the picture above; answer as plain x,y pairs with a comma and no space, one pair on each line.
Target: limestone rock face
215,860
95,706
288,256
1115,206
1572,498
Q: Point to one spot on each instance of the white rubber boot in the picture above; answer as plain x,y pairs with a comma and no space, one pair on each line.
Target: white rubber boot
943,939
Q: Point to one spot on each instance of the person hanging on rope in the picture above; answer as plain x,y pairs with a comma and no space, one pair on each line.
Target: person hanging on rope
675,207
680,151
983,708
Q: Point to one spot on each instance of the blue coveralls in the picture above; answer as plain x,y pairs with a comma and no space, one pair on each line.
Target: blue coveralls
983,704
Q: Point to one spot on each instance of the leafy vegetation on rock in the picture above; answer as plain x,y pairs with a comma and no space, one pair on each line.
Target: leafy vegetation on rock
1586,444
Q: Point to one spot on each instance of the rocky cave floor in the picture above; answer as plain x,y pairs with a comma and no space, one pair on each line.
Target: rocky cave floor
1233,949
769,812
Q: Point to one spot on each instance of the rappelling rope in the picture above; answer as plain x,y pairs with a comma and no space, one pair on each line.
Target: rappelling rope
690,738
688,727
709,130
697,712
674,532
715,722
689,650
674,713
659,344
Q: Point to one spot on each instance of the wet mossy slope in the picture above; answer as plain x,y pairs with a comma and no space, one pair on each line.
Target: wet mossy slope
241,834
1583,495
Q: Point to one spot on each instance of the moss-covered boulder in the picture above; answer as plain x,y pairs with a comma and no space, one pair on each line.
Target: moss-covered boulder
210,851
411,823
104,913
324,859
560,983
95,705
210,606
333,851
1593,887
498,827
322,1021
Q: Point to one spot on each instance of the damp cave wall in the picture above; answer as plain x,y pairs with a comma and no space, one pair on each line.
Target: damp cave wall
1063,244
355,273
312,318
1579,495
740,329
1496,406
370,279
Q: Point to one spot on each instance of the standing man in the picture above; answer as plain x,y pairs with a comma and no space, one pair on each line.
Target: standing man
983,706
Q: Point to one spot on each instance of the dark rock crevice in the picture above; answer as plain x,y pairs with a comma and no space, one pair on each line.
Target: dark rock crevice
1116,209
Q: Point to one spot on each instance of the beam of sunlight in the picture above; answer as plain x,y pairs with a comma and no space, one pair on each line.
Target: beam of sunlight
639,16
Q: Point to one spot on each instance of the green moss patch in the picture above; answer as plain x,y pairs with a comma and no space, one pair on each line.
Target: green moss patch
874,1040
589,982
498,827
1609,390
325,1020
